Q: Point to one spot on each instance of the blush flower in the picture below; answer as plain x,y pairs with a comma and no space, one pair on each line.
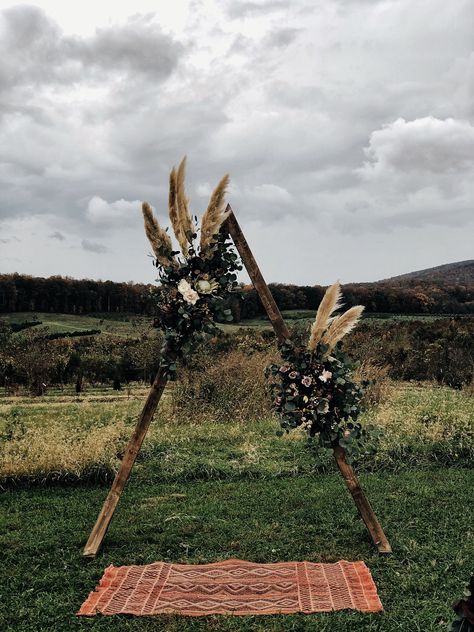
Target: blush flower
293,375
189,295
284,368
325,376
306,381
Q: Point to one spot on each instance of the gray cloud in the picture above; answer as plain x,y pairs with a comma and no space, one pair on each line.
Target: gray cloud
237,9
57,235
92,246
335,119
34,51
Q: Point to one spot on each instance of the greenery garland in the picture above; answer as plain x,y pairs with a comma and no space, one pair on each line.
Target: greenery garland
317,393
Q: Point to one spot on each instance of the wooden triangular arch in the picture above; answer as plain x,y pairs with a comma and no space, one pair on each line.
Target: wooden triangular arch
282,333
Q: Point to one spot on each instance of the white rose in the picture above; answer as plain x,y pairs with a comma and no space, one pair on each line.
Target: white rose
204,287
183,286
190,296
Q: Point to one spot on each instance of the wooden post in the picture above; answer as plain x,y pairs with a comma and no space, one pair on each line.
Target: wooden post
282,333
105,516
279,325
365,509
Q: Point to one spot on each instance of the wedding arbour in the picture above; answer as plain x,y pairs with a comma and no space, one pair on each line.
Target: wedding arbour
313,388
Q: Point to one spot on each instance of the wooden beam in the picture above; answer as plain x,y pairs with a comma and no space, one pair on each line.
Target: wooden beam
282,333
365,509
105,516
279,325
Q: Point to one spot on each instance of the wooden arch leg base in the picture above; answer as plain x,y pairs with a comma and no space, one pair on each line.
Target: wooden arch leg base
360,499
105,516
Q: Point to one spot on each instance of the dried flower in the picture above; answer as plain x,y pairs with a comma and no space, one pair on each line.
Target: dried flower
206,287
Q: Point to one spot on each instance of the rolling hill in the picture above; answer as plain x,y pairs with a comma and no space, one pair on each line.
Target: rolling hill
460,272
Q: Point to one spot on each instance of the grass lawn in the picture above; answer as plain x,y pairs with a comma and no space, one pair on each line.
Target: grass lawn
203,493
428,517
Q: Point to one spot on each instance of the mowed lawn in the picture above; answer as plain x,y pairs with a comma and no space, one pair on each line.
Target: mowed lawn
203,494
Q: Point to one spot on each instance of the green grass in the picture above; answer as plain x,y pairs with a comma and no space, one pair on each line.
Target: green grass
203,493
126,325
423,427
428,517
131,325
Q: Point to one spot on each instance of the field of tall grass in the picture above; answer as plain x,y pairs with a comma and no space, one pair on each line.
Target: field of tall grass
83,438
209,488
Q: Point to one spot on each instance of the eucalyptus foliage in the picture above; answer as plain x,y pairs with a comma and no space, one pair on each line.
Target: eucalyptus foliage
189,314
315,391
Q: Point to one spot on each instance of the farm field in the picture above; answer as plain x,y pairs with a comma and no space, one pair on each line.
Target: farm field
126,325
205,492
132,325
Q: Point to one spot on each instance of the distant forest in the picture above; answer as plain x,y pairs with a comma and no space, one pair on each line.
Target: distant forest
410,294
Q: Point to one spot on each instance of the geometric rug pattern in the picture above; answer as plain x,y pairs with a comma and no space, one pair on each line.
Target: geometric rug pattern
233,587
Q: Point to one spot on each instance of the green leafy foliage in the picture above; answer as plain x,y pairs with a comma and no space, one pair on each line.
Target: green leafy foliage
191,298
315,391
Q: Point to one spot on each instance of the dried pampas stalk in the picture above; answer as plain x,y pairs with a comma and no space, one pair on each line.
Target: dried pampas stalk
159,239
214,217
174,213
183,203
341,326
330,303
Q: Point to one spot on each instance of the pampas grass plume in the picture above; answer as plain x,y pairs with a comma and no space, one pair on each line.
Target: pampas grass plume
341,326
331,302
173,206
214,217
158,238
184,215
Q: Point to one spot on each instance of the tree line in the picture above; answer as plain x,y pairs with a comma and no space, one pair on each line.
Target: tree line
22,293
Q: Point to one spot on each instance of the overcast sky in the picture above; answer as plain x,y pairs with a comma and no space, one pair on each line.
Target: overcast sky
347,127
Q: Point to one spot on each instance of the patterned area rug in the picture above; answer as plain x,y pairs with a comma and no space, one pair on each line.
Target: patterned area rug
233,587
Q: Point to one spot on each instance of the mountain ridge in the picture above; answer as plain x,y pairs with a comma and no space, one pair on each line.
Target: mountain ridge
461,272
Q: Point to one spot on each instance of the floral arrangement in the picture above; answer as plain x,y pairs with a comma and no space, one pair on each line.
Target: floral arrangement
313,388
464,609
195,280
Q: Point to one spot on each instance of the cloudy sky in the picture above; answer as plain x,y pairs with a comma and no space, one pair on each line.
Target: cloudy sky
347,127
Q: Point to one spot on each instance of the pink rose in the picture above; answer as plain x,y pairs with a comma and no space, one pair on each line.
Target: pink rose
306,381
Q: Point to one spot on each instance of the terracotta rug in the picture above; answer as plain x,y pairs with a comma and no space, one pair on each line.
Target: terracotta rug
233,587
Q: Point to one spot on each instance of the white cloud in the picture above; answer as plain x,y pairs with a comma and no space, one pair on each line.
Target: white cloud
112,214
426,145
